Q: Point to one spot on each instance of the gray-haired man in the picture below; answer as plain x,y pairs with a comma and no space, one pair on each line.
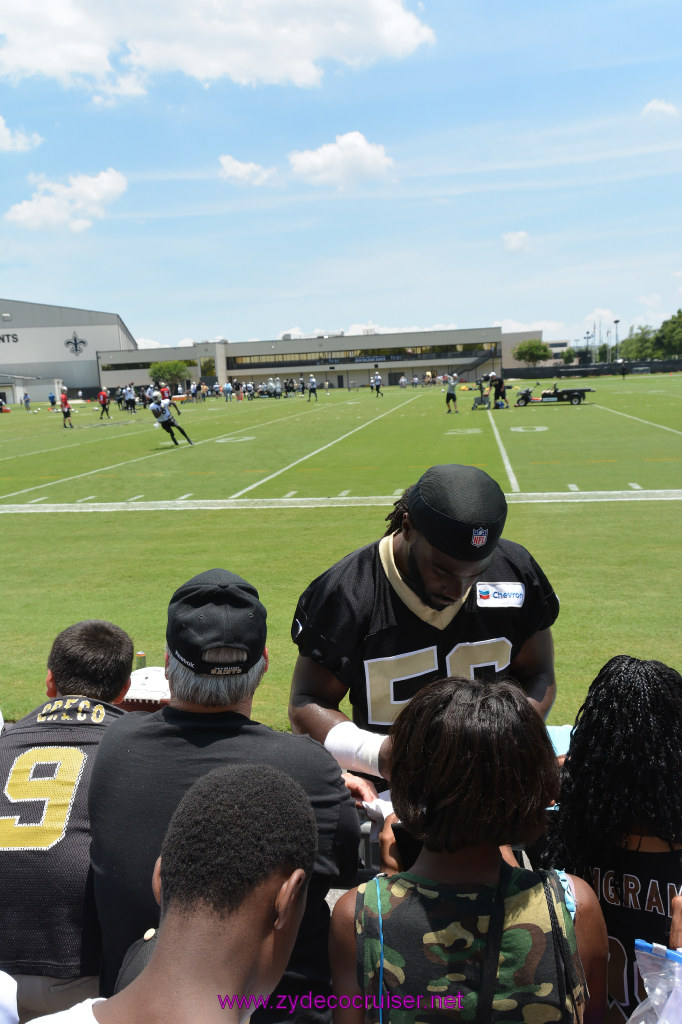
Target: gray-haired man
216,656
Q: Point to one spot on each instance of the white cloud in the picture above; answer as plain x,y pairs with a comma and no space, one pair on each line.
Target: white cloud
649,300
546,326
147,343
677,273
515,241
378,329
113,49
244,174
185,342
76,205
358,328
16,141
351,158
655,107
607,316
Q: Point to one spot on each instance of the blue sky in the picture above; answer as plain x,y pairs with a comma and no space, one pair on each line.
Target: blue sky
243,168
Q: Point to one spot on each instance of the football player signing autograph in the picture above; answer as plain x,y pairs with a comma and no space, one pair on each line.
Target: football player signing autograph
439,595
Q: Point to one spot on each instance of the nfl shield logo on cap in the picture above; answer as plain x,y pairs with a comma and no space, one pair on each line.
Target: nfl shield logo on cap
479,537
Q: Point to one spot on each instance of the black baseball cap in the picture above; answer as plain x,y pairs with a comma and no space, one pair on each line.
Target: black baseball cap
216,609
460,510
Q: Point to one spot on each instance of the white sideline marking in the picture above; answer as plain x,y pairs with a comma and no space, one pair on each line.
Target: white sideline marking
516,498
182,497
36,500
89,498
513,482
317,451
291,494
635,487
647,423
573,487
135,497
343,494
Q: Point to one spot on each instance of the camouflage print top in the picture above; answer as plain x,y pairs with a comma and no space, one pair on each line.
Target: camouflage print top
434,945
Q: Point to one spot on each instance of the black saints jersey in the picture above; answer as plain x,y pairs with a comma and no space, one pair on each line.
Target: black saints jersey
47,909
361,621
635,890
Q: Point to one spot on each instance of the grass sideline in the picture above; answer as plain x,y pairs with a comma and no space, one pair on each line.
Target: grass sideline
614,563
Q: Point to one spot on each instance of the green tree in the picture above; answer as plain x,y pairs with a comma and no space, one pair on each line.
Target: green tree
668,342
639,344
532,351
603,353
568,356
173,372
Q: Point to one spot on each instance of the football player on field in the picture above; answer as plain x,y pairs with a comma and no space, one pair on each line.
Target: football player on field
439,595
50,940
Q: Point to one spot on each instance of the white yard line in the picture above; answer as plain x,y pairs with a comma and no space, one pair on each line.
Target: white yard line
573,487
324,448
143,458
516,498
513,482
635,487
60,447
627,416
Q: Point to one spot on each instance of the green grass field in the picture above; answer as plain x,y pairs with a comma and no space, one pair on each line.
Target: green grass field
106,520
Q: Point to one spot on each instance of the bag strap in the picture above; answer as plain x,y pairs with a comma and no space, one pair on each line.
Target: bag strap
492,949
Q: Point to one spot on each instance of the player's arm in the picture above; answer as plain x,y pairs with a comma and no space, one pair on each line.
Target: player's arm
533,668
314,702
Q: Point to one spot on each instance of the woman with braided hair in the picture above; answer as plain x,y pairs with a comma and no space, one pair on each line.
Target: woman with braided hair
619,823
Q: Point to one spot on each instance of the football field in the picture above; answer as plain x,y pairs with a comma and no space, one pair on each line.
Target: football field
106,520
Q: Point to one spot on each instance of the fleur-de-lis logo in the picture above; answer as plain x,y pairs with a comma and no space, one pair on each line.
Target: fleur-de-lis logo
75,344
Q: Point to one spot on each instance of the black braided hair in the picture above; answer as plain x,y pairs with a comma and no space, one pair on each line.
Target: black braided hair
623,770
395,517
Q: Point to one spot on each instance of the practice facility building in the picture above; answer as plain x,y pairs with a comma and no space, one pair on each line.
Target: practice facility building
43,347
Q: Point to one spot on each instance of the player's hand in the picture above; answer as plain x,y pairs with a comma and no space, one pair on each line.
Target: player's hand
360,789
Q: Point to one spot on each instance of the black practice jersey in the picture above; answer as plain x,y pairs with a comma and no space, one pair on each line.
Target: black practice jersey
49,924
361,621
635,890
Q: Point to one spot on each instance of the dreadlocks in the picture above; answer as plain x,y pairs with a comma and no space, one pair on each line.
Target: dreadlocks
395,518
623,771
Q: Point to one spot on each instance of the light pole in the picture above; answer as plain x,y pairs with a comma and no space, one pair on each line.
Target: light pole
589,337
616,322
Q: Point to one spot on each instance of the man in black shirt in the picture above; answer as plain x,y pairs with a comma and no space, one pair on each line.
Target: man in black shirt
441,594
215,658
499,386
49,940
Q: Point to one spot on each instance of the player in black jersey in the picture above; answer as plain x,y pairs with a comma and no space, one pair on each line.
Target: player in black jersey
49,940
439,595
